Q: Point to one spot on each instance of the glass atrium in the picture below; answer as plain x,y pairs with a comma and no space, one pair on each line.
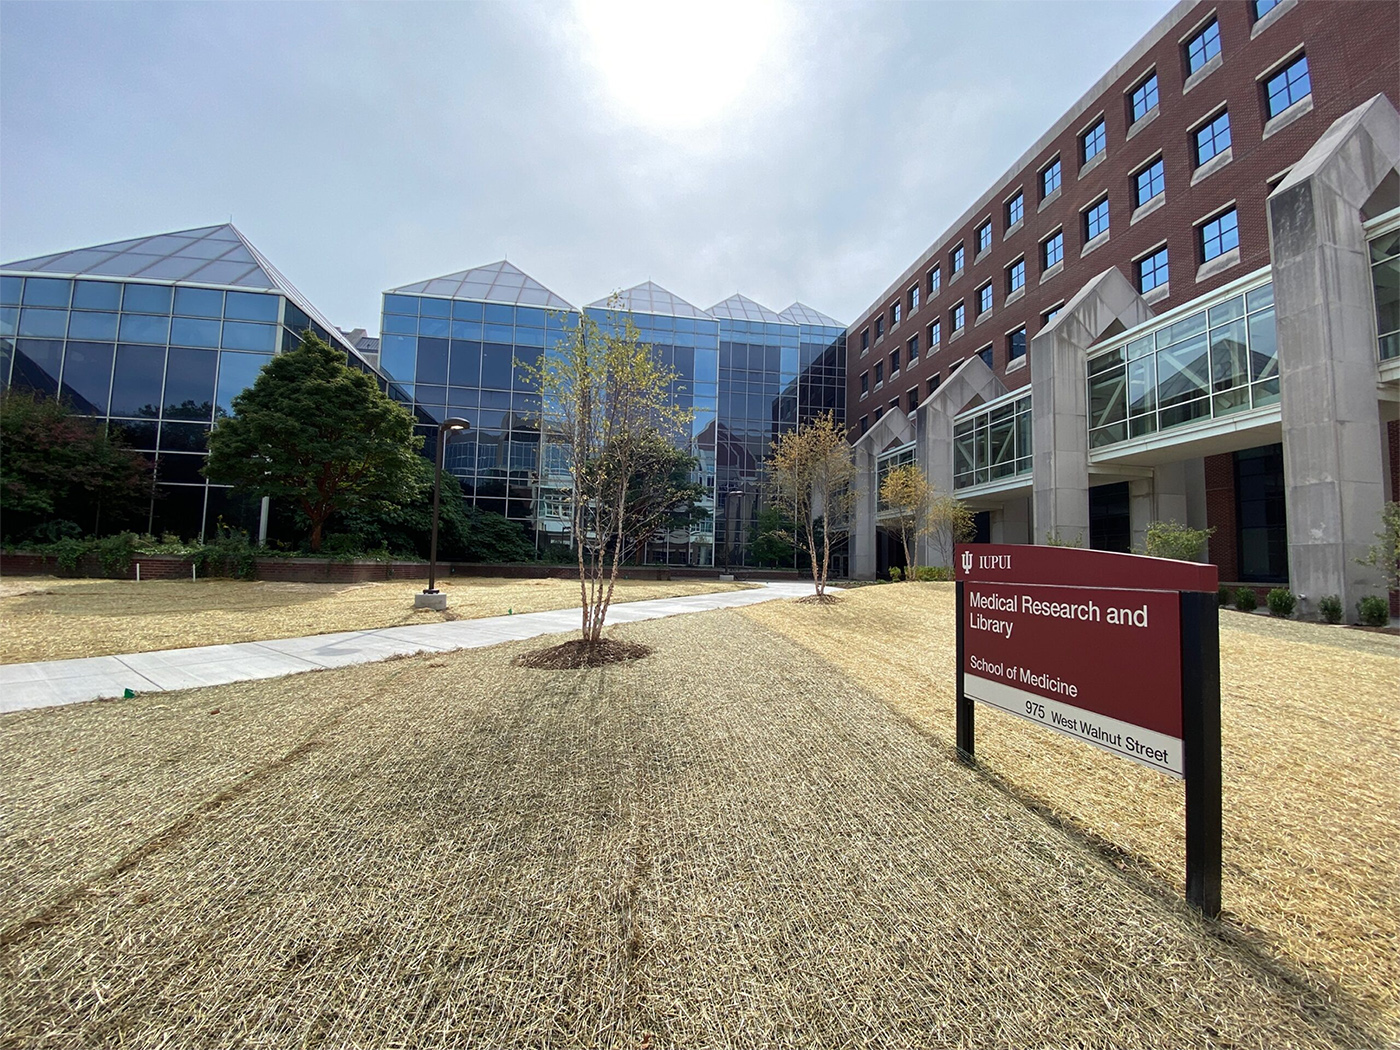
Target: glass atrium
155,336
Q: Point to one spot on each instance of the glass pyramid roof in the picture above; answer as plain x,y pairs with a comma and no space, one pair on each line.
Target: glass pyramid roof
797,313
649,298
497,282
211,255
741,308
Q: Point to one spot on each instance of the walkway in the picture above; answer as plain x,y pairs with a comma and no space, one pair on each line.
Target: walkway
54,682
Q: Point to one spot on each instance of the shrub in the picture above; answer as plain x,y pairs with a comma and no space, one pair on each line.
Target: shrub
1171,539
896,574
68,552
933,573
1281,602
1373,611
228,554
1223,596
115,553
1330,606
1246,600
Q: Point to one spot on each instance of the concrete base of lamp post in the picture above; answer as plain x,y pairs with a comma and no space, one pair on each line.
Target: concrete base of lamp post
726,577
436,601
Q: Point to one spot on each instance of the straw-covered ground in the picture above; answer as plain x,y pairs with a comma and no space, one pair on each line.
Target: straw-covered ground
729,843
1311,753
45,618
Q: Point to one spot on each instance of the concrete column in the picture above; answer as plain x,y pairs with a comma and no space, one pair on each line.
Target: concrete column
1333,459
1011,523
862,542
1059,400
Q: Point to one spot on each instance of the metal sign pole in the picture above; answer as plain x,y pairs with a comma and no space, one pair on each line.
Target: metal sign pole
963,703
1200,724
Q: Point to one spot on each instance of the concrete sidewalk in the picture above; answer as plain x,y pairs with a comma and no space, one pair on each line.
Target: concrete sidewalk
47,684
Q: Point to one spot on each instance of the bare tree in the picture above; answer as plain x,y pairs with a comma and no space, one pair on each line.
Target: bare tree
811,471
606,399
907,495
949,523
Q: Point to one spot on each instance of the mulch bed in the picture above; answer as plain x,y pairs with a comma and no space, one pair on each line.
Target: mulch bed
578,653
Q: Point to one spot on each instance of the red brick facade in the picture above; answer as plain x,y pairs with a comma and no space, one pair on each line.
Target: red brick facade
1220,514
1352,54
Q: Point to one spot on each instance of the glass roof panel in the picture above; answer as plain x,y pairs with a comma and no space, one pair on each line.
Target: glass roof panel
222,233
651,298
256,277
799,313
742,308
222,273
172,269
205,249
82,258
498,282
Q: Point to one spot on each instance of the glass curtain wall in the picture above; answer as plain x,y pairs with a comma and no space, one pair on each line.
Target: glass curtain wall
993,442
1385,281
158,362
472,359
1207,364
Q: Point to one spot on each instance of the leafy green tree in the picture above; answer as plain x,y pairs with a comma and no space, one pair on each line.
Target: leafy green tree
464,533
318,433
664,493
1172,539
907,494
1384,554
771,545
56,466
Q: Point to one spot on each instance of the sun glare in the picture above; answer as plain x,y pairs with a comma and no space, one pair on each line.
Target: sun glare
678,66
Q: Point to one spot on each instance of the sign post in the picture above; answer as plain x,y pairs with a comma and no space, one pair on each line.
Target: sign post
1116,650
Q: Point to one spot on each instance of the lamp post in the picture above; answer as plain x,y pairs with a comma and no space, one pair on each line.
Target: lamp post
431,598
729,537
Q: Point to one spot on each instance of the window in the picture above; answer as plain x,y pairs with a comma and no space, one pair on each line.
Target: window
1149,182
1016,344
1263,7
1288,87
1050,314
864,383
1152,271
1219,235
959,316
1213,139
880,327
984,236
913,398
987,355
913,348
984,299
894,362
935,333
879,373
1052,250
1096,220
914,299
935,281
1016,276
865,340
1202,47
879,411
894,314
957,259
1093,141
865,423
894,404
1144,97
1015,210
934,381
1050,178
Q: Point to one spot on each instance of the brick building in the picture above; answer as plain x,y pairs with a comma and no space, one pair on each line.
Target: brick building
1180,303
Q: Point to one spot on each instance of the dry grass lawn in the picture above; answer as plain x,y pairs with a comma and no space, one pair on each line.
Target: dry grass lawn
730,843
1311,743
45,618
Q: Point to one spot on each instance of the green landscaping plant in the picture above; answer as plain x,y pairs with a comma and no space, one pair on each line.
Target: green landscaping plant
934,573
115,553
896,574
1054,539
1373,611
1246,600
1330,608
1384,554
812,474
1223,596
1281,602
1171,539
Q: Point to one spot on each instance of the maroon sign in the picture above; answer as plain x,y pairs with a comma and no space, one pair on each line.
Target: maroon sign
1087,643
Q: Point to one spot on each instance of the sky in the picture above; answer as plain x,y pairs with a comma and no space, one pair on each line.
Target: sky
791,151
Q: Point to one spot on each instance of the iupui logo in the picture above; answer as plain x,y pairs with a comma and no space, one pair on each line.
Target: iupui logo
967,561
